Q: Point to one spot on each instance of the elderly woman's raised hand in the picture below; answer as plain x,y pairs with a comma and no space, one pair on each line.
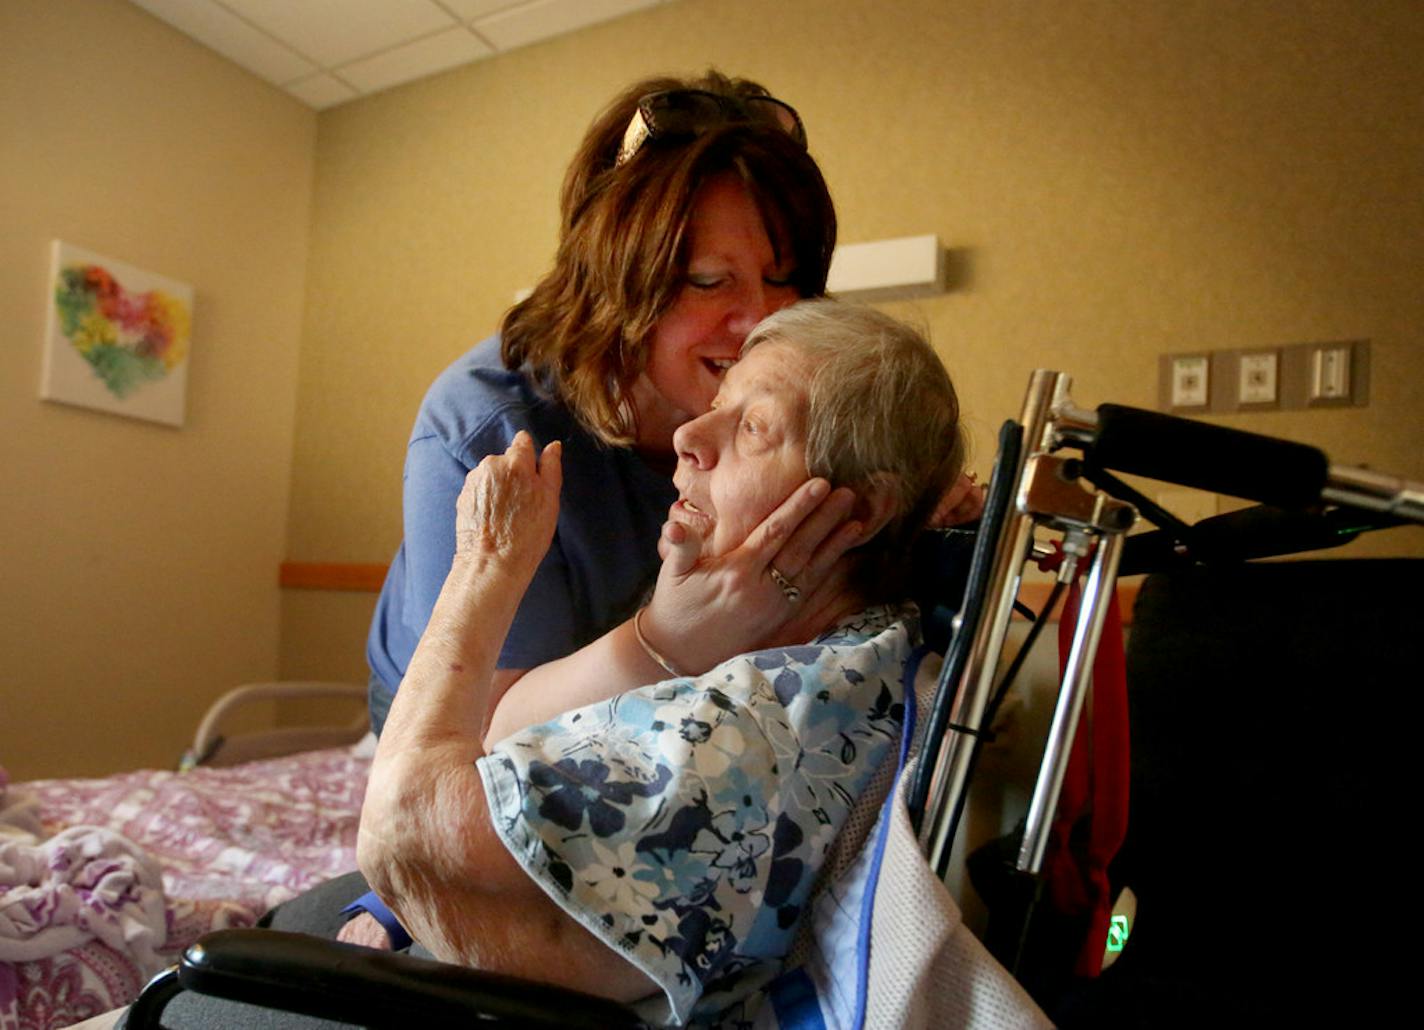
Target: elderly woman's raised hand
504,521
705,610
509,506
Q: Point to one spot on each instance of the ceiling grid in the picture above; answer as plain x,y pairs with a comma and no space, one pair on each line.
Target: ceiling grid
326,52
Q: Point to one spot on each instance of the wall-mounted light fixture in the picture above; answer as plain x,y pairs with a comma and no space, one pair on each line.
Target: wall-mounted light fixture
909,266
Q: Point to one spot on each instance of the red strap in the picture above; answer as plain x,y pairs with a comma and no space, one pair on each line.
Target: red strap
1094,791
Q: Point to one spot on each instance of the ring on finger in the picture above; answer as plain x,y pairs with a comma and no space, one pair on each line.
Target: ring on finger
789,589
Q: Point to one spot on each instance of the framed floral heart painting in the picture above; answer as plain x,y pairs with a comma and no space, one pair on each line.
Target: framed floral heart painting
117,337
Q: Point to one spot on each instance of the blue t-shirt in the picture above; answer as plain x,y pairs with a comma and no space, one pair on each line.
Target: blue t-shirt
684,823
604,555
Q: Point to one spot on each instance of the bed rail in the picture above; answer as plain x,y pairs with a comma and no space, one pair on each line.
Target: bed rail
214,747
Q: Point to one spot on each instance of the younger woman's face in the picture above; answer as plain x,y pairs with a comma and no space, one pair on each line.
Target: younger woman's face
740,460
734,280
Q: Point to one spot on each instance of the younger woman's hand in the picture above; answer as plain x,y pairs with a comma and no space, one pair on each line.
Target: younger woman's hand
962,502
509,507
706,610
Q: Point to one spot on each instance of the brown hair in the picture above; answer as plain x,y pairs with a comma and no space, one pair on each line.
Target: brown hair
880,406
583,332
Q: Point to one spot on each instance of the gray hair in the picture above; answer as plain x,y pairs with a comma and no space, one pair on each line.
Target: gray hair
880,406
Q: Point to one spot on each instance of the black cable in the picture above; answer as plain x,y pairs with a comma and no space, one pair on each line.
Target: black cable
1021,945
1146,506
1022,656
1035,884
984,732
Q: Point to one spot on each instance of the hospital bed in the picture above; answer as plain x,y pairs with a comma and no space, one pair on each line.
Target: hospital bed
253,819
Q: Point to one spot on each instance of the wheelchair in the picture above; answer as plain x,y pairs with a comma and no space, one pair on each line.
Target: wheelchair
1213,714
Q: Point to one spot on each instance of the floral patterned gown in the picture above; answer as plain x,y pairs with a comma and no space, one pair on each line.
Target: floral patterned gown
683,823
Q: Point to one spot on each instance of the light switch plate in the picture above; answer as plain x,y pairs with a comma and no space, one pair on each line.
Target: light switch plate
1330,372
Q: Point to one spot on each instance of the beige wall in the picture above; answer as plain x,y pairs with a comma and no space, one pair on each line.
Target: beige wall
1122,178
139,569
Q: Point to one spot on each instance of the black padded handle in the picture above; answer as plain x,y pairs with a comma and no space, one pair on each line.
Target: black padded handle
1259,532
1225,461
318,977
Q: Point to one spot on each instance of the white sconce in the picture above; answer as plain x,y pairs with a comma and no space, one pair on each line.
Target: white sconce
909,266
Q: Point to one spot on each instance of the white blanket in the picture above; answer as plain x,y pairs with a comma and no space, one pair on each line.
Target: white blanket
83,883
886,945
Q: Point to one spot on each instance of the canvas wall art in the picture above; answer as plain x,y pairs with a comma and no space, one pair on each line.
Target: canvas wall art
117,338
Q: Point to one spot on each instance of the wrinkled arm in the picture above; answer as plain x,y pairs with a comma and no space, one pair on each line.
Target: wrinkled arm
611,665
426,841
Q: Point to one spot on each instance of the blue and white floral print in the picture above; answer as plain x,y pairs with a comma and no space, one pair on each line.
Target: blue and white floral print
684,823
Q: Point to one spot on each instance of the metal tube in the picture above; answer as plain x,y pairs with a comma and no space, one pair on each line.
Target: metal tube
1361,488
147,1010
1077,677
949,782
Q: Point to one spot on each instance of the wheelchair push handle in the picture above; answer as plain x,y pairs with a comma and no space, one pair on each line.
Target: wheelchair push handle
1281,473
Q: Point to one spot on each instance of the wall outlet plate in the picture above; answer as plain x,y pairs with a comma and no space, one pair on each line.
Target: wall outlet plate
1257,377
1189,381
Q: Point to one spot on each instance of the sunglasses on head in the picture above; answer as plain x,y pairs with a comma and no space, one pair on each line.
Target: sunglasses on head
685,113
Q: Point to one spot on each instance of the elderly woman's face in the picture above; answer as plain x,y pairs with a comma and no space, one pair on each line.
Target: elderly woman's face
739,461
733,281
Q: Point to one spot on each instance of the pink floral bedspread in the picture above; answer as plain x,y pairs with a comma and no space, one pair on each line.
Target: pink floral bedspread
231,843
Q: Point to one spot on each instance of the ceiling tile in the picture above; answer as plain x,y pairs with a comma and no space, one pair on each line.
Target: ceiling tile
333,32
230,36
321,91
542,19
415,60
469,10
329,51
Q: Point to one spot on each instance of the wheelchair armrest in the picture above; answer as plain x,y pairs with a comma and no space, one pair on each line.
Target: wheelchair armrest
328,979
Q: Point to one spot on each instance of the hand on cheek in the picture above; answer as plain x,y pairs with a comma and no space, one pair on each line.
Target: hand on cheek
706,610
679,547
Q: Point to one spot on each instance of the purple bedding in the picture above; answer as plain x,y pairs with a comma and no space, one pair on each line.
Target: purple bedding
79,922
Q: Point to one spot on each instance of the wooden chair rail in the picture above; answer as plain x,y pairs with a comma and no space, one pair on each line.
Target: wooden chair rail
367,578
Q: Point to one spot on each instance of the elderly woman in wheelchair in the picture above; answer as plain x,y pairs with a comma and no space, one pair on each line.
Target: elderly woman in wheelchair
651,832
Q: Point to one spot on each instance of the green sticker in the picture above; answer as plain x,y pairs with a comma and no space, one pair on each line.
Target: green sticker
1117,933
